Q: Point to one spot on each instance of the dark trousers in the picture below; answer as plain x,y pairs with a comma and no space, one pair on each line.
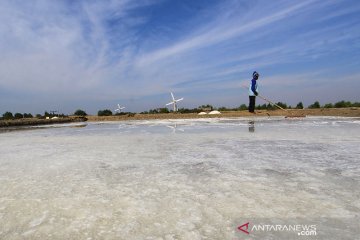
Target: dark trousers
251,103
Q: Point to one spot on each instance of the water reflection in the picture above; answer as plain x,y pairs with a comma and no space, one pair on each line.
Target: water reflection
175,128
251,126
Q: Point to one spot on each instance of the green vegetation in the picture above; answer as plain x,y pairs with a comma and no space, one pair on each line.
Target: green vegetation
243,107
265,107
206,107
11,116
328,105
156,111
344,104
299,105
105,112
18,116
283,105
316,104
52,114
80,113
7,116
185,110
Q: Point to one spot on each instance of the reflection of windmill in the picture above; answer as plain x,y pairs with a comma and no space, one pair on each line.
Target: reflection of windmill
119,108
174,102
175,128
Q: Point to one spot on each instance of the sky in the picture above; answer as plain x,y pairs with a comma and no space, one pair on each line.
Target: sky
66,55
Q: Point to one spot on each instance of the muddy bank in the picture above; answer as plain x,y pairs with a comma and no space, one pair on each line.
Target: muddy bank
342,112
36,121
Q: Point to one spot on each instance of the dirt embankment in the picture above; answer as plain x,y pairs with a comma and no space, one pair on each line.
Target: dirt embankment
343,112
36,121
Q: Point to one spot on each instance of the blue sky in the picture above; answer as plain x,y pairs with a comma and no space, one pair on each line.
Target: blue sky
65,55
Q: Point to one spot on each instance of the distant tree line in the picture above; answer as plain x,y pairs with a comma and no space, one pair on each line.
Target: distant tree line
108,112
316,104
80,113
11,116
207,107
300,105
342,104
105,112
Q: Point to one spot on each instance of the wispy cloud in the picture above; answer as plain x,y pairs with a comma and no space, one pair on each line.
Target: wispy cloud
120,50
220,32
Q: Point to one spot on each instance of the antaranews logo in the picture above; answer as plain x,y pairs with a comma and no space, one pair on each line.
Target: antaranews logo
299,229
244,228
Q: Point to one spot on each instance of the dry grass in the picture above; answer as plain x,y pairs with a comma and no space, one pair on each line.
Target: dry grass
36,121
344,112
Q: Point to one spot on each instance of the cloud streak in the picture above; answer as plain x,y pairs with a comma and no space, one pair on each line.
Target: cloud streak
219,34
104,52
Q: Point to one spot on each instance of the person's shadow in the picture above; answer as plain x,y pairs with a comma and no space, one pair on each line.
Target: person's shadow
251,126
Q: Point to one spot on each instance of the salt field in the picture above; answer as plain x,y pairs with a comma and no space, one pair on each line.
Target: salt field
182,179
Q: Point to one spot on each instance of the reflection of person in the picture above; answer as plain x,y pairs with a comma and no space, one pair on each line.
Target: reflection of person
251,126
253,92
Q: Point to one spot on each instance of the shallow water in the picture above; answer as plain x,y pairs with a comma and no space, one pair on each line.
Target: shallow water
182,179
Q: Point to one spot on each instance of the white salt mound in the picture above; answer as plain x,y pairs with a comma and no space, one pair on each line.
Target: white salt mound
214,112
202,113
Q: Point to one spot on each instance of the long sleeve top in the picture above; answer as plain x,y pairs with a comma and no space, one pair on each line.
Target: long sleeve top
253,87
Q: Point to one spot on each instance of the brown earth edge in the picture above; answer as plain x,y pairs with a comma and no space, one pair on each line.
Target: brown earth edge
290,113
343,112
36,121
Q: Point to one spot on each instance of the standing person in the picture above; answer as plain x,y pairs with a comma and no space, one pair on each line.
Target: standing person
253,92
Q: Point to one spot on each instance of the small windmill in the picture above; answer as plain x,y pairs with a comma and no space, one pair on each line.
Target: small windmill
119,108
174,102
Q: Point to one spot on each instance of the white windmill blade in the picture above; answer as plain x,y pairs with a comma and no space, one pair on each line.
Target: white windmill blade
174,102
119,108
